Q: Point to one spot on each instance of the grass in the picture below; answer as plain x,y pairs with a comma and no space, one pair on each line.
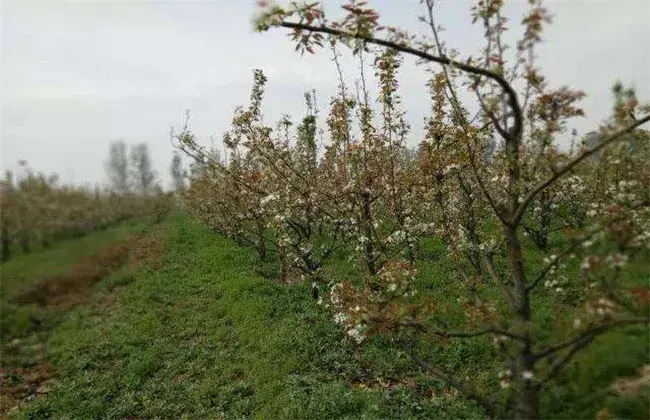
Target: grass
26,271
200,334
57,259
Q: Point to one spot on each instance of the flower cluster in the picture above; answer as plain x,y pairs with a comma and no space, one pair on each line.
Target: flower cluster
385,302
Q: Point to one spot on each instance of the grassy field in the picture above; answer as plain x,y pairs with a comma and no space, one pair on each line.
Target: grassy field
183,325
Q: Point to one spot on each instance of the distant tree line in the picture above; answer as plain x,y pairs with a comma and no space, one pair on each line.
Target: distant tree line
36,210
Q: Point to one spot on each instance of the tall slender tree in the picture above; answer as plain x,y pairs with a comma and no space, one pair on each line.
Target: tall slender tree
117,167
178,174
143,176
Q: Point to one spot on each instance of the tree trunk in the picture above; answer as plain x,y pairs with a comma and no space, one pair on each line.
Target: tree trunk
527,401
282,276
24,243
5,243
369,252
527,396
261,243
45,241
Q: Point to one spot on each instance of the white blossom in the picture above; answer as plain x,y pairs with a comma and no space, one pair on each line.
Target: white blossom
340,318
268,198
356,334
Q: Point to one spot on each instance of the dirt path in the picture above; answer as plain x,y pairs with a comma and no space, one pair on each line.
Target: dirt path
25,373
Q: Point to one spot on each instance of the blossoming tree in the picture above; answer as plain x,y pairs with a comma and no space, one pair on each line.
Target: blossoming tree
521,189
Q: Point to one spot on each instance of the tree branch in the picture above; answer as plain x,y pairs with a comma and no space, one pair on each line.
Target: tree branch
513,100
556,260
489,262
217,165
463,334
569,166
581,341
455,103
493,118
573,246
451,380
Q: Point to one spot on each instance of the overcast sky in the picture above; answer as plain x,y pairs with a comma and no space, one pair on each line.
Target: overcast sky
76,75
